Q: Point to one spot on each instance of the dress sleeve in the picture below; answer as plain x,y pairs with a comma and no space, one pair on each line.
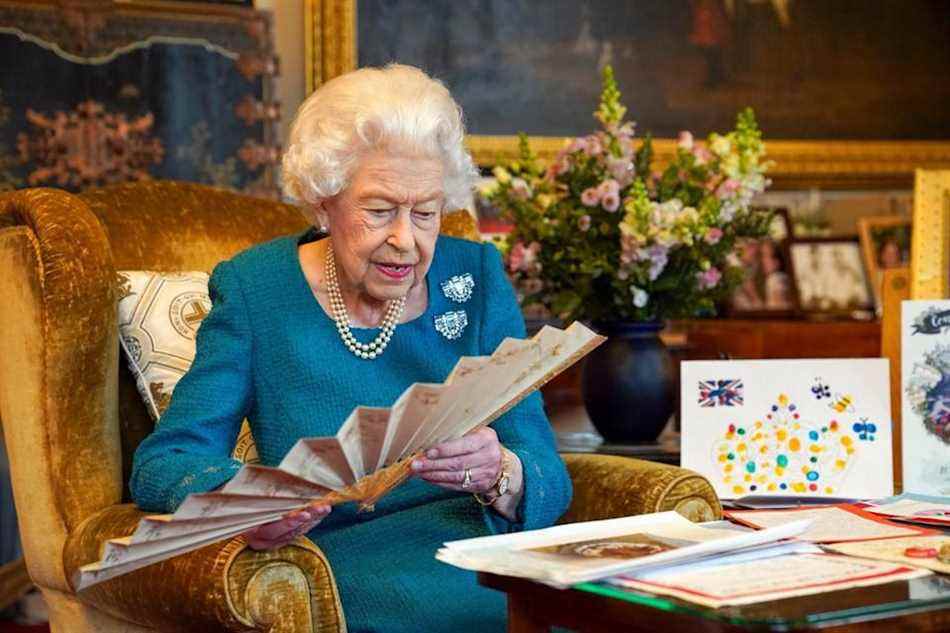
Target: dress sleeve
190,448
525,429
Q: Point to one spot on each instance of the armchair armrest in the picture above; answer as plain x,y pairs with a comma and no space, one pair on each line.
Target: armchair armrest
222,587
607,486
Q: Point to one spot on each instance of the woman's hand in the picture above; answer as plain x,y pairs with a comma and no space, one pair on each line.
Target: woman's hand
445,464
282,531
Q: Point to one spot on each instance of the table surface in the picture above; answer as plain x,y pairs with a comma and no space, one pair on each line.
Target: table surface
921,605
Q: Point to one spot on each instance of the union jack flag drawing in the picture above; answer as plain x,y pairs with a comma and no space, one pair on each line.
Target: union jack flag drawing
720,393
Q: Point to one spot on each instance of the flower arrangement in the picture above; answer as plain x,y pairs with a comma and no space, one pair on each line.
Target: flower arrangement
928,391
599,236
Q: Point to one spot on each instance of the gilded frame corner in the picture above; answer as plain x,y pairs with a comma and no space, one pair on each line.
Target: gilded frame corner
329,40
331,50
930,246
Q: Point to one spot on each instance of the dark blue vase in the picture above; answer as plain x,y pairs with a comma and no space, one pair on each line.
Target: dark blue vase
628,384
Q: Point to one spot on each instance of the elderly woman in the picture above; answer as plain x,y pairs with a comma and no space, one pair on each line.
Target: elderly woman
306,327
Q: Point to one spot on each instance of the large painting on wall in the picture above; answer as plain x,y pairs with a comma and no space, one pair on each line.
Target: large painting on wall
812,69
848,72
106,92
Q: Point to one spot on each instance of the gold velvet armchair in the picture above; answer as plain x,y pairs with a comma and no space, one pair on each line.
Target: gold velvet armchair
72,417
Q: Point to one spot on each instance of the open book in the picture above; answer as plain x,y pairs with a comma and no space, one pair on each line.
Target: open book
370,455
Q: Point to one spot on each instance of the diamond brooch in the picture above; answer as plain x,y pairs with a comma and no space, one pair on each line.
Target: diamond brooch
451,324
459,287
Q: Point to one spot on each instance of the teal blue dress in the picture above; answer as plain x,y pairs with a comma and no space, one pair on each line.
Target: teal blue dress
268,352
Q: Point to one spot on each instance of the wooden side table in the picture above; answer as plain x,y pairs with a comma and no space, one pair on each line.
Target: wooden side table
921,605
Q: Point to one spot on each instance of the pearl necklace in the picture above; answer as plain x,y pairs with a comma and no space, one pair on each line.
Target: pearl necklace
363,350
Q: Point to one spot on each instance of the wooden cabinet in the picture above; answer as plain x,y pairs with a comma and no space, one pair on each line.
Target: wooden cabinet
750,339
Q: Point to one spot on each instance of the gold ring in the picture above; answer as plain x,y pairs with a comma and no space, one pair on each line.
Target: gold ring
467,478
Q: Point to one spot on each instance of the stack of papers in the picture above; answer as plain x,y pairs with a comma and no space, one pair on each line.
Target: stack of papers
926,550
830,524
569,554
791,570
914,508
369,456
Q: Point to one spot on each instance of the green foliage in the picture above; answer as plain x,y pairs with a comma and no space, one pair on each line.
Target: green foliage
599,236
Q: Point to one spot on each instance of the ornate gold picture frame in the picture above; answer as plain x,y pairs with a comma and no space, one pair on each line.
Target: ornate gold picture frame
331,49
930,248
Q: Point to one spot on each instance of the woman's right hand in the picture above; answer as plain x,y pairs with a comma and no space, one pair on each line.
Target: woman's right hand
284,530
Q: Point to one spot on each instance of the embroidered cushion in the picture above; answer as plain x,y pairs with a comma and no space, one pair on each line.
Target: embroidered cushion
159,316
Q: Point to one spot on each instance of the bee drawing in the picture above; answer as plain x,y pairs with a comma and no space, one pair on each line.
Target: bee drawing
843,403
820,389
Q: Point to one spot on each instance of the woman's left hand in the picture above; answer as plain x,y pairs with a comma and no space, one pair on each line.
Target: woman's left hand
445,464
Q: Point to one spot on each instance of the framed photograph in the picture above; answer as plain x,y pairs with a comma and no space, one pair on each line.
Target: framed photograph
769,286
830,277
518,65
930,251
885,243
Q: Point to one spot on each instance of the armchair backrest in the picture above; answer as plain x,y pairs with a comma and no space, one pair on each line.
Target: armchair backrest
72,415
176,226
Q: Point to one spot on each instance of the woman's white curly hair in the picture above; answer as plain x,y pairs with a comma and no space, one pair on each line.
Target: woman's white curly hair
398,108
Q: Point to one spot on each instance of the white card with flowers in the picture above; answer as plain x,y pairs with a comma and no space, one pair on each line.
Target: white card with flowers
925,392
789,427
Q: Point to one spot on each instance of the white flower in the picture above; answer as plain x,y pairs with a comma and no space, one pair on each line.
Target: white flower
520,189
685,141
501,174
728,210
640,296
487,187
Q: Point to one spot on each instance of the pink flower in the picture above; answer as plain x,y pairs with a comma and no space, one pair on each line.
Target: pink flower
621,169
701,154
516,257
709,278
713,235
609,192
579,144
521,257
594,146
727,188
609,186
590,197
584,223
685,141
560,165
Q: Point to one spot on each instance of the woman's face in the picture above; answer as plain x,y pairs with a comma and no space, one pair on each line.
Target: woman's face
385,224
890,256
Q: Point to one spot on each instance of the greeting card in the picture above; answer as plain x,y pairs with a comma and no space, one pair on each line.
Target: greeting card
788,427
925,396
